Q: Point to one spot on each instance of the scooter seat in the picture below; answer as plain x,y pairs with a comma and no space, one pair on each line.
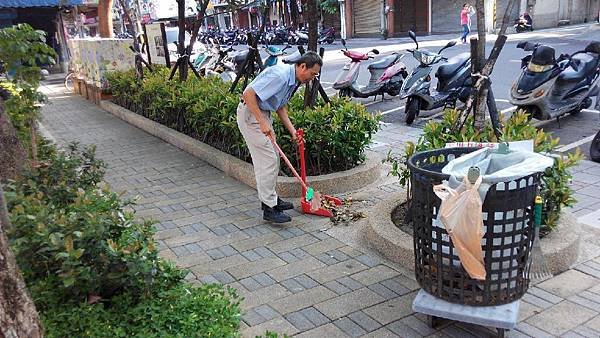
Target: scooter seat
585,63
292,58
240,57
385,62
448,69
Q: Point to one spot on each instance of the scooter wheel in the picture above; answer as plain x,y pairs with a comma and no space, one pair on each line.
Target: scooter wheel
595,148
412,110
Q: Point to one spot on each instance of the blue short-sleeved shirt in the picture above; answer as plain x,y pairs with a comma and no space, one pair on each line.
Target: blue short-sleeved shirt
274,86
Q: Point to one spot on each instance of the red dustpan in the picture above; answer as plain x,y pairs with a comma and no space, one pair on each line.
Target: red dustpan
306,205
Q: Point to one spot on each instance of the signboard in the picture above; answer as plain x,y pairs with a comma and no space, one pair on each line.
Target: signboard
156,44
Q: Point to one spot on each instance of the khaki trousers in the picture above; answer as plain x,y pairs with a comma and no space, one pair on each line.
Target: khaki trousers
265,158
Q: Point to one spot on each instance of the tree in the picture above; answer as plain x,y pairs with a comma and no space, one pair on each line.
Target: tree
482,94
105,23
313,21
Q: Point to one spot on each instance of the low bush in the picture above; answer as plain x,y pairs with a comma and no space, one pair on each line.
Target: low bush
336,134
92,269
555,188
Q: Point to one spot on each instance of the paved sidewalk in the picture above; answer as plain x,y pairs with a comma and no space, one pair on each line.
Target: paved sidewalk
307,278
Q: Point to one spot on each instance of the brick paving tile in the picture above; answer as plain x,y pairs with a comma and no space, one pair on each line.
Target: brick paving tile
586,331
315,317
263,279
561,317
336,271
403,330
250,284
594,324
368,260
306,281
266,312
279,325
337,287
537,301
455,331
252,318
349,327
572,334
262,295
532,331
327,330
256,267
391,310
569,283
299,321
547,296
364,321
349,283
375,274
383,291
418,325
381,333
323,246
527,310
293,285
223,277
294,242
302,299
210,267
584,301
347,303
294,269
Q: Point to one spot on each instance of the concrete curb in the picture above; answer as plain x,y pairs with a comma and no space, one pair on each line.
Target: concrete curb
339,182
560,247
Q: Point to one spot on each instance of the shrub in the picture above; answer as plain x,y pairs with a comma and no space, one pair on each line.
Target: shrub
182,311
554,188
336,134
75,239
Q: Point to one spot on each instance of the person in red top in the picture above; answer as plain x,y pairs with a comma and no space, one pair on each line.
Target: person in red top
465,21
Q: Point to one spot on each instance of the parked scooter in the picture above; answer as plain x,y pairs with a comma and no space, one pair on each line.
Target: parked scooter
524,23
327,35
548,88
387,75
454,81
595,148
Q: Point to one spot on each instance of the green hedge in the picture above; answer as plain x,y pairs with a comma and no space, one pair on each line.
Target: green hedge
76,243
336,134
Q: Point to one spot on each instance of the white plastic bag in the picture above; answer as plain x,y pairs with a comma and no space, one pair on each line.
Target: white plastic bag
460,213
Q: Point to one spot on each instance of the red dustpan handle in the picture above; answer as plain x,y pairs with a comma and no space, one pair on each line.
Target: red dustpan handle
289,164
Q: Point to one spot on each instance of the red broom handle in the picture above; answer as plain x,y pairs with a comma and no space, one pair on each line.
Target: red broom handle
300,136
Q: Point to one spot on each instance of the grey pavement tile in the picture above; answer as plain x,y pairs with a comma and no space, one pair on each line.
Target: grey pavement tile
263,229
306,281
383,291
364,321
396,287
297,231
219,231
188,229
288,257
292,285
315,317
337,287
536,301
299,253
349,283
590,304
215,254
251,255
223,277
418,325
532,330
263,279
161,245
299,321
227,250
193,247
208,280
403,330
230,227
264,252
327,259
322,235
545,295
589,270
368,260
285,233
250,284
180,251
266,312
252,318
340,256
252,232
586,331
349,327
572,334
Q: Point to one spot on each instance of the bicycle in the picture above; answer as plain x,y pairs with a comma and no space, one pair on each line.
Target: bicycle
69,80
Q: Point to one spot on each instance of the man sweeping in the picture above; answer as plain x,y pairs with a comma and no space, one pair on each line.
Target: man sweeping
270,92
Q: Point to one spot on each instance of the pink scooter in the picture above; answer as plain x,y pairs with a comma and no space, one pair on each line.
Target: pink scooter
387,75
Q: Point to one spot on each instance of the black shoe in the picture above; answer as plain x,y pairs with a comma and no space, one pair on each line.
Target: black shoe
274,215
281,205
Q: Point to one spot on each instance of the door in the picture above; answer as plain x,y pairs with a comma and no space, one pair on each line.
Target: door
411,15
367,17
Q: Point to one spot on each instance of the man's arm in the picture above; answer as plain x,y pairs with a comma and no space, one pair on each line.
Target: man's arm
285,119
251,102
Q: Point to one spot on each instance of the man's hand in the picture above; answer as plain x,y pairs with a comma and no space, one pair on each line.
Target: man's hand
266,129
295,138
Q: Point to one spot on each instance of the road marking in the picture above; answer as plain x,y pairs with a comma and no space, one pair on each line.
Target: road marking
325,82
392,110
502,100
433,116
575,144
508,110
590,111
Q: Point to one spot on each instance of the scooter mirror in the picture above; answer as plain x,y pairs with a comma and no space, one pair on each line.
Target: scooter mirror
413,36
375,51
344,42
451,43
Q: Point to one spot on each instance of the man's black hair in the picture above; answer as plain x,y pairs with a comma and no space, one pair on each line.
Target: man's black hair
310,59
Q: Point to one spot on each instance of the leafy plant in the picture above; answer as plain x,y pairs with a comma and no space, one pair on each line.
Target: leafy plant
555,188
336,134
183,311
73,238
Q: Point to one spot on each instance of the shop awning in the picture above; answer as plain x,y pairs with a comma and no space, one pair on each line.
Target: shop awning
38,3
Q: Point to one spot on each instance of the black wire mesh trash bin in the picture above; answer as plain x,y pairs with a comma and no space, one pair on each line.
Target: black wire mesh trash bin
507,214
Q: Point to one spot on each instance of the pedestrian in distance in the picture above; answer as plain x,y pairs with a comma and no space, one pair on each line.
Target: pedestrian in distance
270,92
465,21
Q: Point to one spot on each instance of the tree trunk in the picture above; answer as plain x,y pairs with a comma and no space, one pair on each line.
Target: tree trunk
312,16
181,39
12,152
18,316
480,102
105,23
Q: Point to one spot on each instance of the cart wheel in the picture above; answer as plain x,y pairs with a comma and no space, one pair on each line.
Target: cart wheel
500,333
432,321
